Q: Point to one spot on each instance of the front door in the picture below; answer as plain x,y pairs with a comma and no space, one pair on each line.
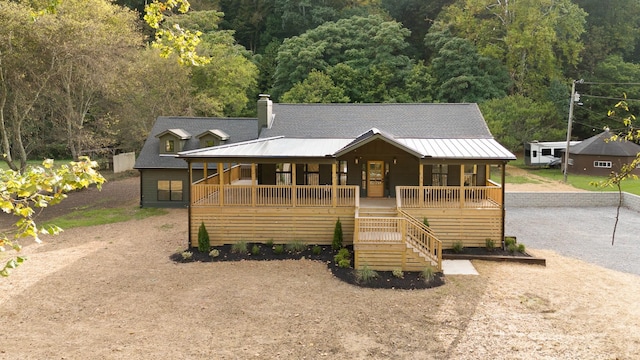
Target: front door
375,178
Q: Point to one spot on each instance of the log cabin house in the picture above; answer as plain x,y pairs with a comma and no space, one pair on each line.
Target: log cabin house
381,169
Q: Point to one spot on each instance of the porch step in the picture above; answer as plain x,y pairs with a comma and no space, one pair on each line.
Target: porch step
378,212
420,253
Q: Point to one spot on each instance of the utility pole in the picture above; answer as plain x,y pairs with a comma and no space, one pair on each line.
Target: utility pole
573,99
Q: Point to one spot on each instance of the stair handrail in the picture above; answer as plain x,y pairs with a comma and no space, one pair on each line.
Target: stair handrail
423,238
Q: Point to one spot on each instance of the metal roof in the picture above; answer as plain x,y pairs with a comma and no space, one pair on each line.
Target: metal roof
487,149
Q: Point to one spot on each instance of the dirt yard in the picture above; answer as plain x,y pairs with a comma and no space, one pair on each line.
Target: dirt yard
111,292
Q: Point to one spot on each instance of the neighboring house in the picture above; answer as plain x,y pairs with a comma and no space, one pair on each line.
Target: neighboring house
164,178
381,169
600,156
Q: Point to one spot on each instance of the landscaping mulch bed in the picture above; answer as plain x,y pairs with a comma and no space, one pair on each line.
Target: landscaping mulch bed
384,279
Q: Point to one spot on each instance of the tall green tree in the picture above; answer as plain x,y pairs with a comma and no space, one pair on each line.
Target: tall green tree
538,40
462,74
369,48
515,120
317,88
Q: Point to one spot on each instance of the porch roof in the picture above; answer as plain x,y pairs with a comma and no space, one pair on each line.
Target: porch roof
281,147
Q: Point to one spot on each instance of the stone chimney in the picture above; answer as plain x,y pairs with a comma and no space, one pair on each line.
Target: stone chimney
265,112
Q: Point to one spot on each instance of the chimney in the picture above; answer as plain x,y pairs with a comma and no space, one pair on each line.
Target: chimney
265,112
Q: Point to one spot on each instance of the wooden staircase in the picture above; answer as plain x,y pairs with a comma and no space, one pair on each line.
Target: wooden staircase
387,239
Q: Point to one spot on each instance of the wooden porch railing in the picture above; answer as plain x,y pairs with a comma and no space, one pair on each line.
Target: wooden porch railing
230,175
419,235
449,197
273,195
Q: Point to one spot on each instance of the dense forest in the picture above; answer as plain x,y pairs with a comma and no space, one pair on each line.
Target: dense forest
83,78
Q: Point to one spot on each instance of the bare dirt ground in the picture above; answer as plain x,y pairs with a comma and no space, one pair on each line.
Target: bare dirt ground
111,292
538,183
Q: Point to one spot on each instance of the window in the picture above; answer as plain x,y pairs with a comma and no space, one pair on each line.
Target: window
312,174
602,164
558,152
546,152
535,153
283,174
342,173
169,190
169,146
470,175
209,143
439,175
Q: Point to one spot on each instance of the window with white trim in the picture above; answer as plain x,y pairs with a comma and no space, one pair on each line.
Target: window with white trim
602,164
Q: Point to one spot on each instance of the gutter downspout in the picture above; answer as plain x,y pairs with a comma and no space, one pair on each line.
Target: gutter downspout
504,168
189,205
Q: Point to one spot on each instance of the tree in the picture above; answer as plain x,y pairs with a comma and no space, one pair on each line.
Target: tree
462,74
516,119
38,187
317,88
368,49
536,39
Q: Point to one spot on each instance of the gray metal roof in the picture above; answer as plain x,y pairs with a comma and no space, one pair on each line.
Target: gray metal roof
239,129
348,121
281,147
597,145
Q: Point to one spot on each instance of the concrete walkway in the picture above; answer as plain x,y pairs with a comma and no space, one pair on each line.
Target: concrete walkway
580,232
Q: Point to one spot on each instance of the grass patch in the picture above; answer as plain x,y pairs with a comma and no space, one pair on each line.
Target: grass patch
83,218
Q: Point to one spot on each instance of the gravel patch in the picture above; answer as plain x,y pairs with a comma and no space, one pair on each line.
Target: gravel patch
582,233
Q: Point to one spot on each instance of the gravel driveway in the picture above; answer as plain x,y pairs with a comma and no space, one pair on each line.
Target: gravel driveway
583,233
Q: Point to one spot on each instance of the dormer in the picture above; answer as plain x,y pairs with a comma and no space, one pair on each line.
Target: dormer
172,141
212,137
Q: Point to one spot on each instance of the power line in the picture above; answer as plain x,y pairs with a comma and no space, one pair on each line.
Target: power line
604,83
608,98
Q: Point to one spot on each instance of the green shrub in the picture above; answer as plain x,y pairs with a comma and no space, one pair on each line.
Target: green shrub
278,249
269,243
239,248
398,273
509,241
521,248
425,222
337,236
344,263
186,255
489,244
214,253
316,250
204,244
428,274
512,248
365,275
458,247
255,250
296,246
343,258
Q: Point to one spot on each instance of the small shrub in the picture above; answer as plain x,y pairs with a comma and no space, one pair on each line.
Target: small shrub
521,248
278,249
316,250
204,244
239,248
296,246
428,274
489,244
337,236
397,273
512,248
255,250
458,247
425,222
344,263
214,253
365,275
186,255
269,243
509,241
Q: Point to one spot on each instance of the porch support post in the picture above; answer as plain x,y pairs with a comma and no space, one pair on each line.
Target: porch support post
190,204
502,183
254,194
334,185
221,183
461,186
204,171
294,188
487,171
421,185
